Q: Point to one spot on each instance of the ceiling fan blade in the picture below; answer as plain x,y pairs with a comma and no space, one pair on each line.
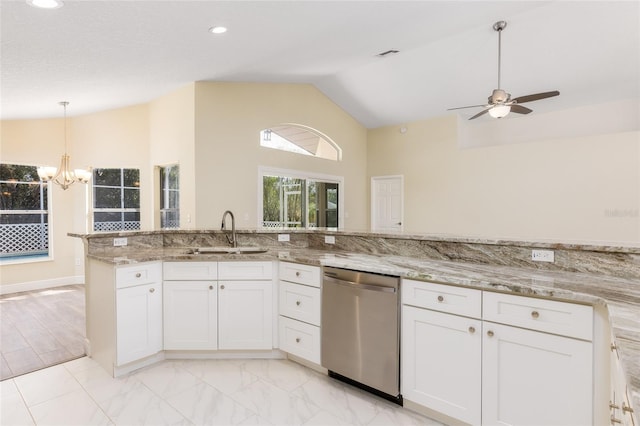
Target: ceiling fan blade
535,97
484,111
519,109
470,106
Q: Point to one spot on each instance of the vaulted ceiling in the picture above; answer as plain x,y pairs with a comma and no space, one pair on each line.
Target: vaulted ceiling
100,55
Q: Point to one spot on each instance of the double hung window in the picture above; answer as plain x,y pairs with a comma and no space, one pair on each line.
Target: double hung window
116,199
169,197
24,212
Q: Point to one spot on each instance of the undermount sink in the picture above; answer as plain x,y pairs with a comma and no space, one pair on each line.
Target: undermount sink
230,250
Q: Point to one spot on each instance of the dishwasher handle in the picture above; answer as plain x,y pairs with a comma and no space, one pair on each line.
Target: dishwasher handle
361,286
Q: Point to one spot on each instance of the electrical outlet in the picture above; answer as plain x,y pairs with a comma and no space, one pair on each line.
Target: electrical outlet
542,255
283,237
329,239
120,242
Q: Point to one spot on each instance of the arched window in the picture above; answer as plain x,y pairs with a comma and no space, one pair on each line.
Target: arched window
301,140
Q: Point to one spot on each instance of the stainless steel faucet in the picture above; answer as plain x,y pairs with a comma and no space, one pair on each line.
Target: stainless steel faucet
233,240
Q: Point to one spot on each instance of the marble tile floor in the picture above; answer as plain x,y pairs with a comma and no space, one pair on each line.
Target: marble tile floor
193,392
41,328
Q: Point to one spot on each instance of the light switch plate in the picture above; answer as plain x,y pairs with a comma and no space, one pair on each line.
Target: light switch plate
120,242
542,255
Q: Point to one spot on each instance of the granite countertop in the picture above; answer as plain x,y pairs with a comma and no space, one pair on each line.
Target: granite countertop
620,296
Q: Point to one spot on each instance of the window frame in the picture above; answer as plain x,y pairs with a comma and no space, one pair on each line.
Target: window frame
122,209
164,192
307,176
32,258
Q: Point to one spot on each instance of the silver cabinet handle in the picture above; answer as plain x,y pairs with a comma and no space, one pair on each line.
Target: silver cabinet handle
626,408
535,314
297,303
297,340
222,287
151,290
472,329
490,333
613,405
614,420
210,287
440,299
138,275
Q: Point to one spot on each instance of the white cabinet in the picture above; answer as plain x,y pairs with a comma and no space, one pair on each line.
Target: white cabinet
531,377
245,305
531,364
245,315
138,312
442,353
621,412
299,306
190,315
190,305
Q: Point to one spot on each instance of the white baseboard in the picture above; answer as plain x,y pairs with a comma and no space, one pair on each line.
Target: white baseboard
39,285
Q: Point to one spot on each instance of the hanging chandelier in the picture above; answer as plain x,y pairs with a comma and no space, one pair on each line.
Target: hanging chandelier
63,175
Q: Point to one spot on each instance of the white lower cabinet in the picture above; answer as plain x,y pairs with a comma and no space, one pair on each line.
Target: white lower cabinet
442,362
190,315
534,378
138,322
245,315
482,372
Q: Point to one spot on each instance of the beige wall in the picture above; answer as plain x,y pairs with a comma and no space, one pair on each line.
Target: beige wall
172,126
229,117
118,138
583,188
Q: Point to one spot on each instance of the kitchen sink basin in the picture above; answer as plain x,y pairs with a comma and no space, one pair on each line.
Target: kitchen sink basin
230,250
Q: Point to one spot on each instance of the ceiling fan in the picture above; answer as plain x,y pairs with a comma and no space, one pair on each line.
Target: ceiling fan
500,102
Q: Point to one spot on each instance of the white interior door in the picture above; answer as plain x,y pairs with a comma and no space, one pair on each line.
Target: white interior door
387,203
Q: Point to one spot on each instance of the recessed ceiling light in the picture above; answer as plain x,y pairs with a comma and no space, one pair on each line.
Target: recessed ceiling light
46,4
218,30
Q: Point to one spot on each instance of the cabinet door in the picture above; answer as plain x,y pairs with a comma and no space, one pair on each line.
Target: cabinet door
190,315
441,362
139,322
534,378
245,315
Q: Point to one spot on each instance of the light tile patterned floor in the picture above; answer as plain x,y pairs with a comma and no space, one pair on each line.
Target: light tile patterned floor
193,392
40,328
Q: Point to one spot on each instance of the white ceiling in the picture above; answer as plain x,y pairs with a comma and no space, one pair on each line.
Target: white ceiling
100,55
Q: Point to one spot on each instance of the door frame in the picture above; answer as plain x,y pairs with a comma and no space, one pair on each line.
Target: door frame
373,217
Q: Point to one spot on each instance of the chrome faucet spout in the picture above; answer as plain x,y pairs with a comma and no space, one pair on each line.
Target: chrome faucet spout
233,240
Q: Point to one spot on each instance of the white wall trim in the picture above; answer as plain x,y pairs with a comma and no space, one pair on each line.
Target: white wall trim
39,285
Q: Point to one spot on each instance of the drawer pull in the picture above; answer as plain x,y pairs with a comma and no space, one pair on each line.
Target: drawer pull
626,408
490,333
297,340
222,287
297,273
297,303
151,290
614,420
613,347
535,314
440,299
613,405
210,287
472,329
138,275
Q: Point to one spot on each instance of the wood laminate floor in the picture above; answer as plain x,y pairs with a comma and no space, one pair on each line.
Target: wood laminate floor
40,328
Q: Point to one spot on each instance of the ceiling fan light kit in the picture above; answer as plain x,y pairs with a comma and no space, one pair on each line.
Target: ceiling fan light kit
500,103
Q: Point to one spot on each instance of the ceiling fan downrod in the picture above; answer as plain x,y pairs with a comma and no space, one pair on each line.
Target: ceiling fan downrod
499,26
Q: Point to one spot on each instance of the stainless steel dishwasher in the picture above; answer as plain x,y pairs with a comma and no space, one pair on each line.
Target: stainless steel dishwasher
360,330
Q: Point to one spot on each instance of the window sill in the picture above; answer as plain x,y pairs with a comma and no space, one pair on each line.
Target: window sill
18,260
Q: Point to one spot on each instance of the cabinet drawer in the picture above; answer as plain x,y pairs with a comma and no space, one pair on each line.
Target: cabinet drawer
245,270
300,302
443,298
190,271
300,339
301,274
566,319
142,273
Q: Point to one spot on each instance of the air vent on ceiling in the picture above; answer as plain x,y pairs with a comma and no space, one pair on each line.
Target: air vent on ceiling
387,53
